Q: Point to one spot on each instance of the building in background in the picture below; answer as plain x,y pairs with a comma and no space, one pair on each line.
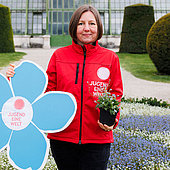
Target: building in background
45,22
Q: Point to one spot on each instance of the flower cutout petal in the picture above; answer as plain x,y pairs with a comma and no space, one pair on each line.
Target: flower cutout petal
5,91
58,114
29,148
4,134
29,81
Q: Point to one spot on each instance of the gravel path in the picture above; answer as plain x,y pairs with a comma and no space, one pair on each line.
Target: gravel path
133,87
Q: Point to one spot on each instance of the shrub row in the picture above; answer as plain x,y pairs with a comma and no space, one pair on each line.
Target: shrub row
150,101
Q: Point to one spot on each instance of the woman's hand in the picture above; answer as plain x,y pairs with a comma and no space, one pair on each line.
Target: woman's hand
10,72
106,127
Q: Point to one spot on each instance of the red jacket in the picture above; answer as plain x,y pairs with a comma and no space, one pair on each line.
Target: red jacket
84,72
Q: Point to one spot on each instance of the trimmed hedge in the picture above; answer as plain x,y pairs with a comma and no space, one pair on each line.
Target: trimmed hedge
6,33
137,22
158,44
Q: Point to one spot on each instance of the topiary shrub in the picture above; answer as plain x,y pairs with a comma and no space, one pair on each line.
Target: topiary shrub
137,22
6,33
158,44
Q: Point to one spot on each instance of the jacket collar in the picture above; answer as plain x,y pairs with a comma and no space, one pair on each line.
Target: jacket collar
90,48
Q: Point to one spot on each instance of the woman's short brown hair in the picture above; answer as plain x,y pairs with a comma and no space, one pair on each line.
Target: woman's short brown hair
76,17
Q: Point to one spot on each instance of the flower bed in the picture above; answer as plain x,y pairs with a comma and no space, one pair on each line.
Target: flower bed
142,139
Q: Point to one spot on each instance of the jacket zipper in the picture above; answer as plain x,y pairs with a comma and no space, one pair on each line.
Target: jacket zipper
77,72
84,51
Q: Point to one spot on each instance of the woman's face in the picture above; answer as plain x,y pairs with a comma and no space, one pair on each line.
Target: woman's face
87,29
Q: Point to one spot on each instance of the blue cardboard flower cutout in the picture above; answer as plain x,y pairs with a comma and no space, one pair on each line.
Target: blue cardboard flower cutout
26,112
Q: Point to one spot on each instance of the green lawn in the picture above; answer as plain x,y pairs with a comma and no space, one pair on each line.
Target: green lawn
141,66
6,58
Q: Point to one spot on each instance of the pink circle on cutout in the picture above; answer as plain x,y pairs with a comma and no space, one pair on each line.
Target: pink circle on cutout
19,104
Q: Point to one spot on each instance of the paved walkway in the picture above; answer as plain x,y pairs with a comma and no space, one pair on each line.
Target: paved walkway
133,87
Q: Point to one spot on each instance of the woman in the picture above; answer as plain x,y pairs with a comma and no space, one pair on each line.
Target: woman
84,69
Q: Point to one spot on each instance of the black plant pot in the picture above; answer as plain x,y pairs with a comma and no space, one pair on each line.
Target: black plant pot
106,118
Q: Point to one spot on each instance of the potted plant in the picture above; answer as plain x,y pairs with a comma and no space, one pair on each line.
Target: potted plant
109,107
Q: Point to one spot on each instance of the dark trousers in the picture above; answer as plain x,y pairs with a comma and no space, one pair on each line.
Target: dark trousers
70,156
